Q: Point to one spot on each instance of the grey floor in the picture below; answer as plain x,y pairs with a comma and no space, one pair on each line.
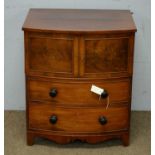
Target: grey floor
15,139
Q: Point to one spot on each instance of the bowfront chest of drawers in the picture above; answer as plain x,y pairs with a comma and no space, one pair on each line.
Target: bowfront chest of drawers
66,51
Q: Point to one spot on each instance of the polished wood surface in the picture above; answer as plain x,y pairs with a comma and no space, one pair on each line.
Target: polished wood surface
81,120
96,56
69,137
66,51
78,20
106,55
79,94
45,52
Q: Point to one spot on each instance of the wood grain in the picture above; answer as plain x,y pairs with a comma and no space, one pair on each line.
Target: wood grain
68,138
78,20
78,94
106,55
81,120
44,52
69,50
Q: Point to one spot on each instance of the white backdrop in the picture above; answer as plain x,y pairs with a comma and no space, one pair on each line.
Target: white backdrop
15,13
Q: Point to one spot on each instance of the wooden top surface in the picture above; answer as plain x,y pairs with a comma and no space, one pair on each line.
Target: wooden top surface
79,20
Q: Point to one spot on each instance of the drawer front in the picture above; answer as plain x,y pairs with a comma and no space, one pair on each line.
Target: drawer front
74,94
48,117
51,55
106,56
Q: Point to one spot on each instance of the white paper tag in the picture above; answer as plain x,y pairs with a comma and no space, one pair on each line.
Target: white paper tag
96,90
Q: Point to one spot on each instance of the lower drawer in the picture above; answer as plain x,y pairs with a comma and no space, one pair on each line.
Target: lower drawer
98,120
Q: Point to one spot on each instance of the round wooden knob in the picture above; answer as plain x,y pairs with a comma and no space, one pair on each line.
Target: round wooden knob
102,120
53,92
53,119
104,94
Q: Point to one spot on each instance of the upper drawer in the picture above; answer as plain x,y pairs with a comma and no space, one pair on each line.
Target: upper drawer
78,93
106,55
50,55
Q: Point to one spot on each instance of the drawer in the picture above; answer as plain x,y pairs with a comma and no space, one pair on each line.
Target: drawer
48,117
78,93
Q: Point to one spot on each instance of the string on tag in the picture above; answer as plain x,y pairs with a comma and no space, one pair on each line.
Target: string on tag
107,102
99,98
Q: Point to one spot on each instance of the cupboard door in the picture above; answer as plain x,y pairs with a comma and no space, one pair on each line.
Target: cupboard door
51,55
106,56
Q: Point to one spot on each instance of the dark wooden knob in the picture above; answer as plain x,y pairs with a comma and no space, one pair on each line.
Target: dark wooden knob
53,92
102,120
53,119
104,94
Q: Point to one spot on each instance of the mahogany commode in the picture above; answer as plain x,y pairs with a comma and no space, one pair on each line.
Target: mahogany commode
66,51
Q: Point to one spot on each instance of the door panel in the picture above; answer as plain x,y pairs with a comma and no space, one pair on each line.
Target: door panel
105,56
50,55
